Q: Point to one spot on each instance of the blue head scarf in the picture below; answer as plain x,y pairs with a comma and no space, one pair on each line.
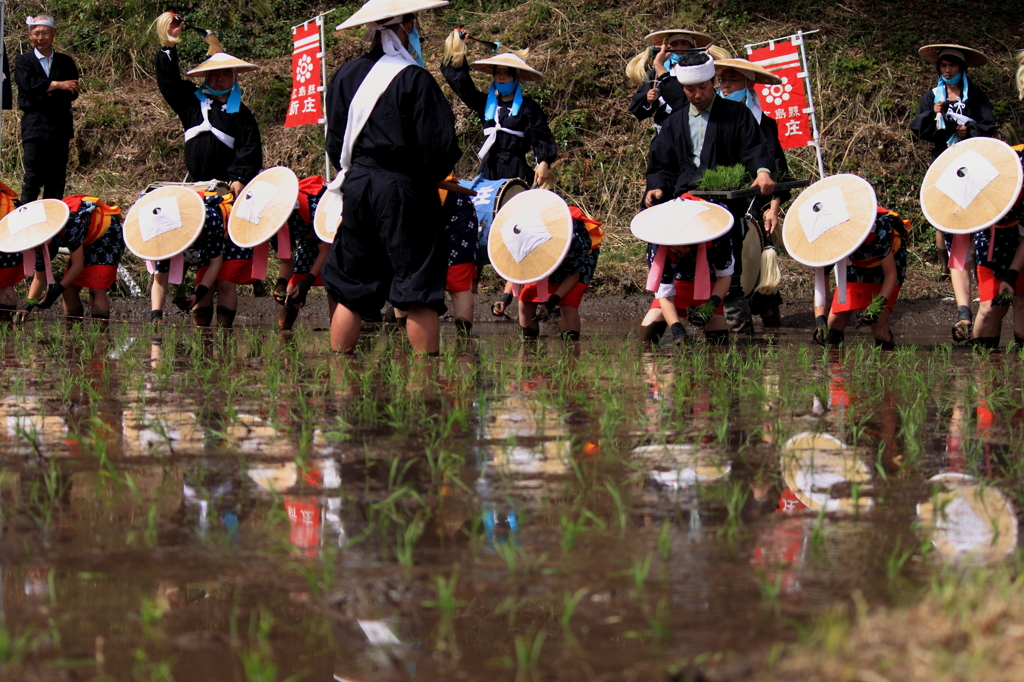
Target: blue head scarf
234,94
939,95
505,89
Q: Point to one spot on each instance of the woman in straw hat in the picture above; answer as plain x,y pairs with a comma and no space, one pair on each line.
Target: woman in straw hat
513,123
953,110
658,94
390,244
309,253
12,265
736,81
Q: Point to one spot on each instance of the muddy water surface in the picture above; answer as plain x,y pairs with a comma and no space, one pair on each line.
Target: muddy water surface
247,507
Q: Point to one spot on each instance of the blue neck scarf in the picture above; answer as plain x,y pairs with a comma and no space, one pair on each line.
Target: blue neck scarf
748,97
234,94
414,47
939,95
491,108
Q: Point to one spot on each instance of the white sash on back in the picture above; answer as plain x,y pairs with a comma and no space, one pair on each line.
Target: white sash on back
207,127
491,134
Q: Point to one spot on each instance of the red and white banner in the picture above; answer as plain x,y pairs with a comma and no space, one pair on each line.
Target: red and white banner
306,105
786,103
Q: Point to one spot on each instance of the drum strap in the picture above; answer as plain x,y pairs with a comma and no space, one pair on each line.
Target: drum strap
207,127
491,134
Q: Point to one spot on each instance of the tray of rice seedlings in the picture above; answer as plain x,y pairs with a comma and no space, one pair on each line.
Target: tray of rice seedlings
733,182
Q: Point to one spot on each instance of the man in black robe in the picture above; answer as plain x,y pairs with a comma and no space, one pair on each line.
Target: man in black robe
47,85
710,132
391,243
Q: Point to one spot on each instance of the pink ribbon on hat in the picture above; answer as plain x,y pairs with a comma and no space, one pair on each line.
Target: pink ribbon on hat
29,260
177,271
151,267
657,269
841,279
820,288
958,252
46,262
284,243
542,291
991,242
260,256
702,275
516,288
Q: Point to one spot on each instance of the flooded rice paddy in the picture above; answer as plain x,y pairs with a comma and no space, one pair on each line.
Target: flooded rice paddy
246,506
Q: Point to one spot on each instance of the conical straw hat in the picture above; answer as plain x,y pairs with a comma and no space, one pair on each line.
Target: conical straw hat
815,462
379,10
534,226
983,173
152,231
526,72
748,69
969,519
222,60
327,218
276,478
971,56
840,212
660,37
263,207
681,222
33,224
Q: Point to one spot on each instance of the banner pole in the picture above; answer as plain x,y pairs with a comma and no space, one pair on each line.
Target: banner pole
323,91
810,104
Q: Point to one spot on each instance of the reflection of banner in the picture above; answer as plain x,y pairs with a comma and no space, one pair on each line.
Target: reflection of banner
791,103
306,106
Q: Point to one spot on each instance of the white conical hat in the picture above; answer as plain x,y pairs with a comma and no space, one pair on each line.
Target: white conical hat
970,56
526,72
749,69
164,222
681,222
263,207
530,236
32,224
379,10
830,220
222,60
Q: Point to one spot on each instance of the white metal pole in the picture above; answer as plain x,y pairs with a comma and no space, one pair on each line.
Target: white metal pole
810,104
323,92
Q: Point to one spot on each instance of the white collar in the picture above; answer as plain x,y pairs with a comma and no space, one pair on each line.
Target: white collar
40,55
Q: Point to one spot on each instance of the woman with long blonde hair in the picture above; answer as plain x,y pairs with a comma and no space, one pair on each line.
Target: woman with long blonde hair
658,94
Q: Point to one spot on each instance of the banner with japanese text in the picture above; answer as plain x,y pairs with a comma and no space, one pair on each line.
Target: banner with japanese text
306,105
787,102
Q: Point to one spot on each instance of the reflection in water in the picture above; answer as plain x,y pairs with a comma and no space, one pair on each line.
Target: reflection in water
821,473
967,519
314,518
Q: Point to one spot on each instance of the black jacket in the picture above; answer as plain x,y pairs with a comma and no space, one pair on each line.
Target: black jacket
670,98
411,129
47,114
206,157
770,130
732,137
977,107
507,157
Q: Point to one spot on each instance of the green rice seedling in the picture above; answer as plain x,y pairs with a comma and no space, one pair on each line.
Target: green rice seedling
621,512
725,178
771,589
665,541
897,559
641,569
528,653
144,669
446,602
406,539
1004,299
569,604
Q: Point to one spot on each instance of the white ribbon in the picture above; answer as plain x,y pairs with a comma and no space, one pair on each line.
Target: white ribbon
841,279
820,292
207,127
491,134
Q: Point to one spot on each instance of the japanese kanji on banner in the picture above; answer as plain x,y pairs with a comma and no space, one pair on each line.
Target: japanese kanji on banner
786,103
306,105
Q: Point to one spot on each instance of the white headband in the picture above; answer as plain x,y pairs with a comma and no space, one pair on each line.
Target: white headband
950,52
41,20
376,27
691,75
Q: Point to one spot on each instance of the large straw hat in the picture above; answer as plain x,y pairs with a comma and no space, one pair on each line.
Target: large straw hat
815,463
526,73
33,224
661,37
971,186
222,60
164,223
379,10
829,220
263,207
530,236
968,519
748,69
275,477
327,218
679,465
971,57
681,222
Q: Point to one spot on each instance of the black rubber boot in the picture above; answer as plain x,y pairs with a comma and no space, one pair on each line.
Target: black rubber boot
679,335
529,333
835,338
653,332
225,317
1018,342
156,316
7,313
203,317
401,321
889,344
738,317
771,318
717,338
987,342
100,316
286,319
463,327
570,336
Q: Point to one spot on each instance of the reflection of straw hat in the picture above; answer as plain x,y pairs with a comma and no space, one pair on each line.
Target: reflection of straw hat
968,518
814,463
275,478
970,57
222,60
661,37
164,222
263,207
748,69
526,73
971,186
678,465
680,222
530,236
379,10
830,220
327,218
33,224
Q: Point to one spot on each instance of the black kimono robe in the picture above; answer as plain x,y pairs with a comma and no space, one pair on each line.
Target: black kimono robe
47,115
507,157
670,98
206,157
391,244
977,107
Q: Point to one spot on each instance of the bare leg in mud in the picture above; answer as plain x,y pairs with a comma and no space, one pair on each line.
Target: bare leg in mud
880,329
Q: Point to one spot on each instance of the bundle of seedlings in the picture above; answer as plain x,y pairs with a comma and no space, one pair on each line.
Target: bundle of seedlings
725,178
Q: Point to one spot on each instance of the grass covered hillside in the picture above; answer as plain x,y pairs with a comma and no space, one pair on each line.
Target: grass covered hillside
864,62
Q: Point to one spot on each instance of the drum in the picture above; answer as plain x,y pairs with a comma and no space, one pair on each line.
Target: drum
491,195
